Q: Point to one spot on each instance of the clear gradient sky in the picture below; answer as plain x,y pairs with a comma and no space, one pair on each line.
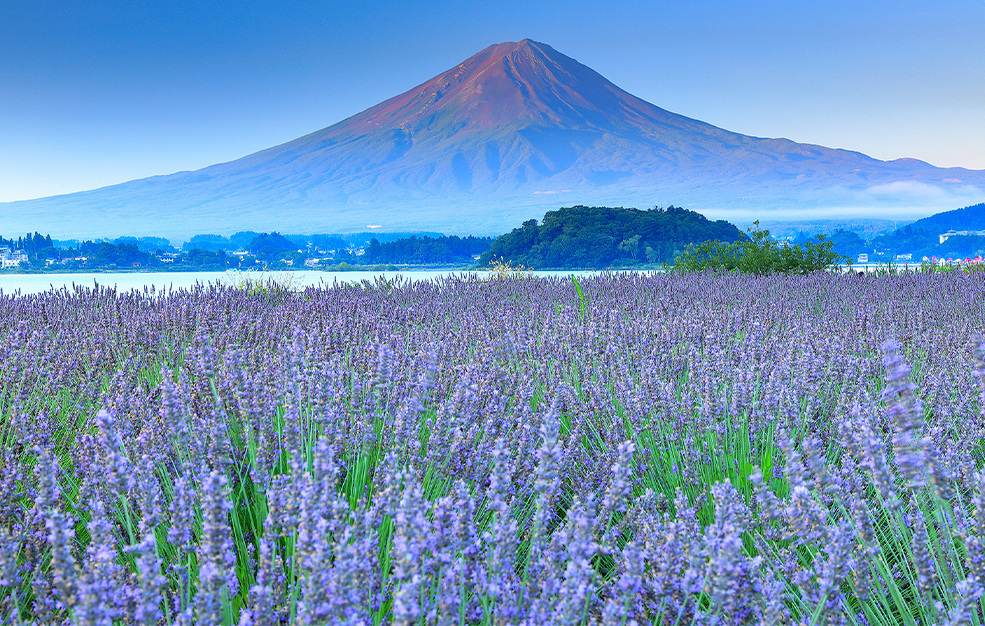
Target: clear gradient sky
96,92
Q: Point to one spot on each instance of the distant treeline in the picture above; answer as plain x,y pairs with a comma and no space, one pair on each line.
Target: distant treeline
144,244
33,245
105,255
247,250
845,242
215,243
124,253
910,239
413,250
601,237
242,240
427,250
919,239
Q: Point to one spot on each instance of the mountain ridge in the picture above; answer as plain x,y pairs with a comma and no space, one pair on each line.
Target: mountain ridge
965,218
512,131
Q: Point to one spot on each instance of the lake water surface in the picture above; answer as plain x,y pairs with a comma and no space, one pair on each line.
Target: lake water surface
126,281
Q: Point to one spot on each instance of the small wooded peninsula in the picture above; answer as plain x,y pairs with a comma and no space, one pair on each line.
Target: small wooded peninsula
582,237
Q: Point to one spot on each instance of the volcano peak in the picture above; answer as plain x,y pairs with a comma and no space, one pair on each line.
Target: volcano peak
515,129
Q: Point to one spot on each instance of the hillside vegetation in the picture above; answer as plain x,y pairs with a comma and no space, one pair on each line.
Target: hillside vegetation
601,237
922,238
968,218
919,239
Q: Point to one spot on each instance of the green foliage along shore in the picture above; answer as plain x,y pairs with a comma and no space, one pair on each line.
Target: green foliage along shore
427,250
759,253
599,237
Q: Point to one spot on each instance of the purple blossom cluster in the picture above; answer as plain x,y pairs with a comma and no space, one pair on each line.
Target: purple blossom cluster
626,449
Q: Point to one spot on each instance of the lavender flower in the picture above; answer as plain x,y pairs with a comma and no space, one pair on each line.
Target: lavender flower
470,451
964,611
217,581
102,594
906,410
153,584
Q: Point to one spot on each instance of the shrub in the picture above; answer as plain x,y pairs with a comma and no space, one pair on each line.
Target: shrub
501,268
255,283
759,253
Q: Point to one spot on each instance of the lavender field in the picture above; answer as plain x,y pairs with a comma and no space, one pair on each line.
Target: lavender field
620,449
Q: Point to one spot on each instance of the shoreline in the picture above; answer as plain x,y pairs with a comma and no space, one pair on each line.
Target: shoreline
435,268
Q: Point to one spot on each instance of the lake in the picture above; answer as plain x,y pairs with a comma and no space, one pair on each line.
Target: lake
126,281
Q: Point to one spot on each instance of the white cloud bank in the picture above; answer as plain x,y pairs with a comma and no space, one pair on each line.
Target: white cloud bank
919,191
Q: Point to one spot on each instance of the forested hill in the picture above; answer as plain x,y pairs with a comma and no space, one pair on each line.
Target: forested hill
601,237
968,218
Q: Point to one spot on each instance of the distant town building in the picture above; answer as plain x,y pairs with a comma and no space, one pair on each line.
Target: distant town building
863,258
11,258
904,257
962,233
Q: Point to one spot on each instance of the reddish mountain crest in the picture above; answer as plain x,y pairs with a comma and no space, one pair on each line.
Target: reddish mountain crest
509,85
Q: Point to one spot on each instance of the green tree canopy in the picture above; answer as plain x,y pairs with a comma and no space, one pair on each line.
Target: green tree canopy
269,245
759,253
426,250
600,237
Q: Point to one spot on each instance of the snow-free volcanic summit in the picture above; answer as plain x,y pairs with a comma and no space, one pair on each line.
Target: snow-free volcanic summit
512,131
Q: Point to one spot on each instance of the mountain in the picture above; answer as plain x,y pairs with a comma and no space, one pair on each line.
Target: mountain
512,131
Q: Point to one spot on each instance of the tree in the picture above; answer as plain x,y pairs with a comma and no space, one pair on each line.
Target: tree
271,245
600,237
759,253
631,245
426,250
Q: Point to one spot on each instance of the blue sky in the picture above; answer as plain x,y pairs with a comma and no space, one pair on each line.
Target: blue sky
97,92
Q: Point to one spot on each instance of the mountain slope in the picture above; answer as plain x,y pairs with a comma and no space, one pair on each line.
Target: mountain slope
968,218
515,129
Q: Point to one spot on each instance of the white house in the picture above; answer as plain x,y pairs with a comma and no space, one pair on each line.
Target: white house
964,233
11,258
